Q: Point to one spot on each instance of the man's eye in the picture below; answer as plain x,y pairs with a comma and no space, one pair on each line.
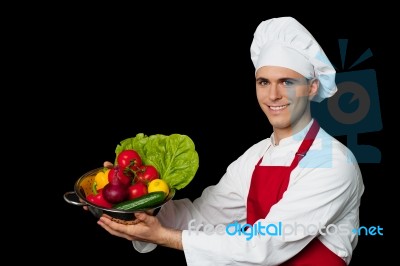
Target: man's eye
263,83
288,83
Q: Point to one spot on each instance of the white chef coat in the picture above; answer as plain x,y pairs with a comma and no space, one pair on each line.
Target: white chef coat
324,190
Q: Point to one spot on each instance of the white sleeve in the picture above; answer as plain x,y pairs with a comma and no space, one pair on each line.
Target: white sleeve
143,247
317,196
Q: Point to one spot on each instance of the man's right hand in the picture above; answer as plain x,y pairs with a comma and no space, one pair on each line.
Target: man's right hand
108,164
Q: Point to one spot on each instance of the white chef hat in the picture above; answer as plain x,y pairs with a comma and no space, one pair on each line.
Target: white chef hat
285,42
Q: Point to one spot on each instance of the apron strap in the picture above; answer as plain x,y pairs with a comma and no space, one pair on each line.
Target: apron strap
306,144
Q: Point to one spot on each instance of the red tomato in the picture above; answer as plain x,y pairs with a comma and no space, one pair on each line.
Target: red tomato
98,199
137,190
146,174
123,178
129,159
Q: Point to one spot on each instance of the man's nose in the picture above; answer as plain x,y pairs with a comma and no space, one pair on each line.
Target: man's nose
274,92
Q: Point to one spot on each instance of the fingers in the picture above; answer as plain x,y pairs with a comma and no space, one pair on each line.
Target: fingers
141,216
114,228
84,206
106,220
108,164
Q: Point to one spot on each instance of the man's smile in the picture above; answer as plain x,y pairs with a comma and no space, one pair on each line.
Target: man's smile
278,107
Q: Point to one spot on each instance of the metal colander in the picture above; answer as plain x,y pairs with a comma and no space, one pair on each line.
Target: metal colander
83,187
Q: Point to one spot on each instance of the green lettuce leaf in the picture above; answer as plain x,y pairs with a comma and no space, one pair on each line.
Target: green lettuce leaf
174,156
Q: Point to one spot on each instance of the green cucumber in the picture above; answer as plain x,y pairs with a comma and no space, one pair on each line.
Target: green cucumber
144,202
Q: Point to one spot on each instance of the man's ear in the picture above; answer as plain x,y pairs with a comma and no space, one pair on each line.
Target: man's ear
313,89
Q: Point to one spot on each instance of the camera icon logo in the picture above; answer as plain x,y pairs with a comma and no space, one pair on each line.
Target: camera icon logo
354,109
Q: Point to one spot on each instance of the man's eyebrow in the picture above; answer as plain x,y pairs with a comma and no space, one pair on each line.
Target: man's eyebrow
280,79
261,79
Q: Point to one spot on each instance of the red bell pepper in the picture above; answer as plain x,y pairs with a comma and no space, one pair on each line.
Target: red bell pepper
98,199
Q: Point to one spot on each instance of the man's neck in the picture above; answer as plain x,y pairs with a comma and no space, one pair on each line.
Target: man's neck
281,133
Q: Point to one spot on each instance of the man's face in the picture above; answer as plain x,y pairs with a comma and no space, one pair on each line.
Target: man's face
284,95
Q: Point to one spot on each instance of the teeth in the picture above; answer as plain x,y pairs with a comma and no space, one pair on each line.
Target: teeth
276,108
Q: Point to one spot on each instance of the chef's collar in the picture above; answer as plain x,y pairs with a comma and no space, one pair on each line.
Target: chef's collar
298,137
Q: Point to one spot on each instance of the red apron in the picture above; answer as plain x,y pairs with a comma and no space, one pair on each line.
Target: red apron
267,186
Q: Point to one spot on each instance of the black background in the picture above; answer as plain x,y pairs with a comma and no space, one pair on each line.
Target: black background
114,74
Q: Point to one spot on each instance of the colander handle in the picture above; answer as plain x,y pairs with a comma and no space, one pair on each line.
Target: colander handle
68,195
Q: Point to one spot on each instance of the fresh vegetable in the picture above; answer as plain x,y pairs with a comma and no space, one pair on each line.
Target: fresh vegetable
100,180
147,201
158,185
146,173
98,199
129,159
137,190
117,172
174,156
115,191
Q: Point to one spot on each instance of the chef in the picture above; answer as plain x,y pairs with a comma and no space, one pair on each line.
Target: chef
293,198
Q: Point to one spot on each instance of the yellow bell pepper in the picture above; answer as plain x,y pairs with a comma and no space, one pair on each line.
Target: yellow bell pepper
101,179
